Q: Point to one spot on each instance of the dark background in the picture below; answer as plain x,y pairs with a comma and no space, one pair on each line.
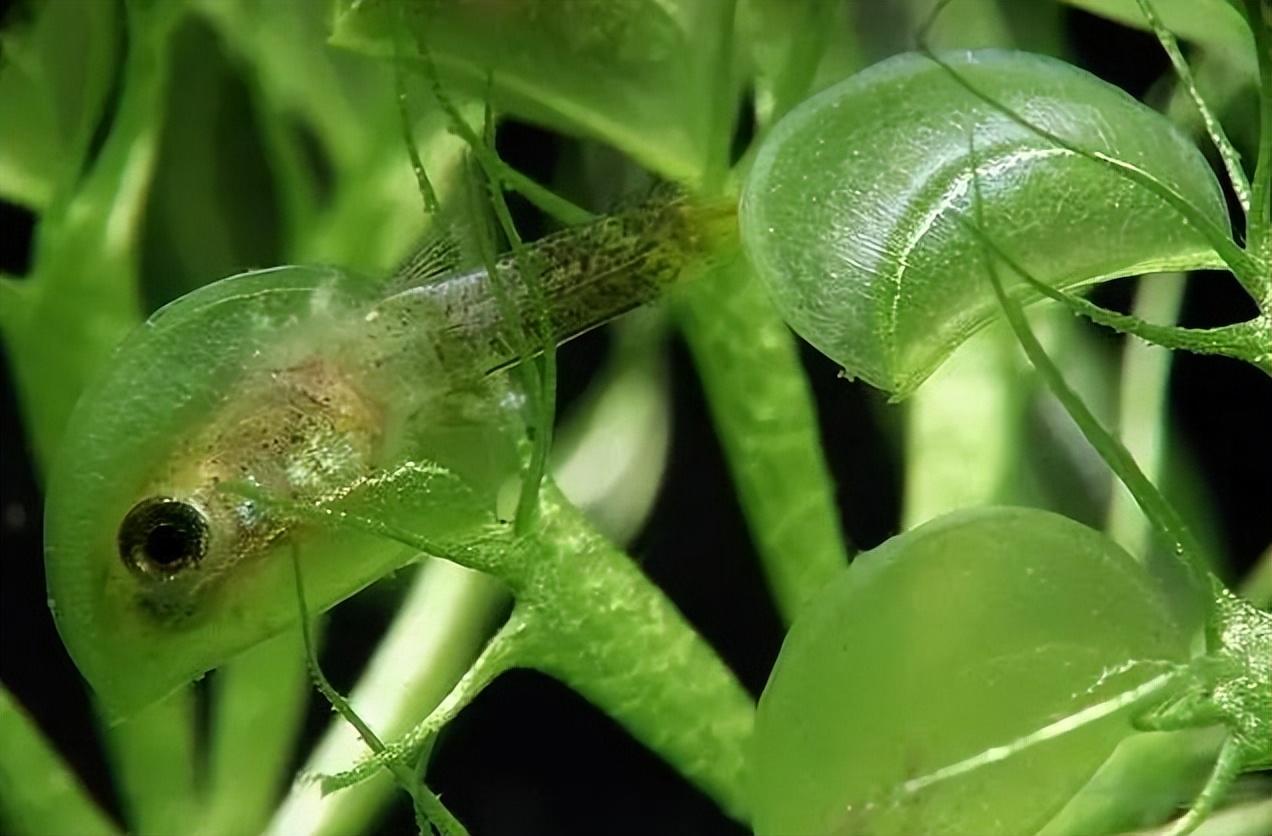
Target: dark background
531,757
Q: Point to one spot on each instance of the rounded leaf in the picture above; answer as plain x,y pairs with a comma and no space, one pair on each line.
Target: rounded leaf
638,74
849,213
965,634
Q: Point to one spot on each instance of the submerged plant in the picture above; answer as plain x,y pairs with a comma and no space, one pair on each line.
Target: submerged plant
270,444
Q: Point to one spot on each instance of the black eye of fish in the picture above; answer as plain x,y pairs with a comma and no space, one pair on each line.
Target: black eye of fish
163,536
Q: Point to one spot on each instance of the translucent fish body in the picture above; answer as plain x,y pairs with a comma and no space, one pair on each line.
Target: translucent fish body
304,383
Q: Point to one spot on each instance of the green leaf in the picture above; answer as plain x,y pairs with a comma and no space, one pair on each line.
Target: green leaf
912,696
850,211
81,296
39,793
54,80
1214,23
638,74
1142,784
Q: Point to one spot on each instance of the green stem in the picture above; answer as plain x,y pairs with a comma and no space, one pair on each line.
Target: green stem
1249,341
1146,495
496,169
764,414
39,792
83,292
1258,222
1227,768
586,615
544,401
963,430
438,631
1248,818
541,377
596,623
427,192
1227,153
429,811
258,702
152,755
803,50
1141,406
724,104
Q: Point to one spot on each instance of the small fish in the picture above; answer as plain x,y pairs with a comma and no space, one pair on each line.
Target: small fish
303,383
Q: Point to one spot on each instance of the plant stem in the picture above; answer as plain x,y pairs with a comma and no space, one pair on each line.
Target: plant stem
1115,455
429,812
258,703
82,296
963,430
438,631
596,623
1150,500
724,102
763,411
1231,159
1141,407
39,792
1258,222
586,615
152,755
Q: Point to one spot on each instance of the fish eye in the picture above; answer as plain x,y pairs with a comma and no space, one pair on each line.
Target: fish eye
163,536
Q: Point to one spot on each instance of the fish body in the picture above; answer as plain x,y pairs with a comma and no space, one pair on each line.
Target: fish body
304,383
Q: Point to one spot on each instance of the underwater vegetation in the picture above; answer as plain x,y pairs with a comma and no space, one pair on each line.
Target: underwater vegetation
340,350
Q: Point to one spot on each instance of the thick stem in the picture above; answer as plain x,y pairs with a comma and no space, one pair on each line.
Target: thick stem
586,615
597,624
964,429
764,414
